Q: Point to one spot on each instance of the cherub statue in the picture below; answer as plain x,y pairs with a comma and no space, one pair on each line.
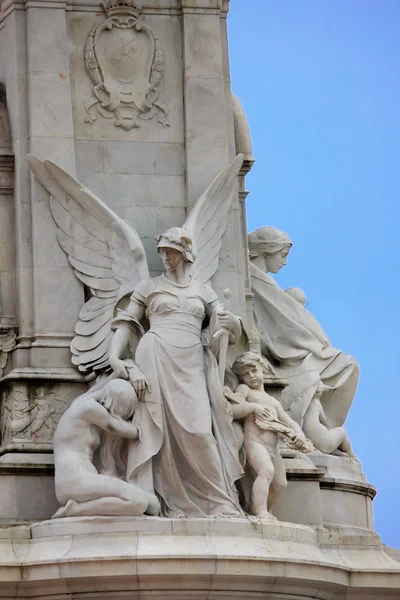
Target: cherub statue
80,488
264,421
186,451
315,426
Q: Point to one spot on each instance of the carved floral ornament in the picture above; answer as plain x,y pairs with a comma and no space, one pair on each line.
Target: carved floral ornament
125,61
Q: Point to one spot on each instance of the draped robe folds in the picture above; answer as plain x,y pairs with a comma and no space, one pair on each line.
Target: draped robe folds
300,352
186,450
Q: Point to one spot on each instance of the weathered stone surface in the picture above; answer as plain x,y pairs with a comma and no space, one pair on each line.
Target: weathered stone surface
199,559
152,175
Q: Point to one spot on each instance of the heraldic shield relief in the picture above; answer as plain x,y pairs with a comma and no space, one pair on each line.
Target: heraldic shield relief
125,61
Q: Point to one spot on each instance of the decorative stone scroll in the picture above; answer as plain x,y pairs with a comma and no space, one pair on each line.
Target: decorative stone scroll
125,61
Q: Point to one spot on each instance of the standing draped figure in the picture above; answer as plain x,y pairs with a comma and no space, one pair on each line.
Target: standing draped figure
186,449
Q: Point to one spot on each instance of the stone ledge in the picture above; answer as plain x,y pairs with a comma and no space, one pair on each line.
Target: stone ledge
60,374
24,457
190,559
206,7
343,485
304,474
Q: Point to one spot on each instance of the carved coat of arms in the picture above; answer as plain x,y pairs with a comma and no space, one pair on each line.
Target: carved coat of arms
125,61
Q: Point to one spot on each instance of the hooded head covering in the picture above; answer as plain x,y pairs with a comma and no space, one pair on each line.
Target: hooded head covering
267,240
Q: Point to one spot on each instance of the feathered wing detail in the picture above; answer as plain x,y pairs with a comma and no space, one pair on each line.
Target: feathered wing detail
105,252
208,220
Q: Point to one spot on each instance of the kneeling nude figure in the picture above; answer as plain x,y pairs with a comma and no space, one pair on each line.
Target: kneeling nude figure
79,486
262,429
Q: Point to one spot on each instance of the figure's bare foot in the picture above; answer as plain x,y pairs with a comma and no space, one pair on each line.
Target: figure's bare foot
63,511
339,453
353,457
225,510
266,516
153,508
176,515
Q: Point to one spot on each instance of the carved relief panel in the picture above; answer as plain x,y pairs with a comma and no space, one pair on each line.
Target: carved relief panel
29,415
125,62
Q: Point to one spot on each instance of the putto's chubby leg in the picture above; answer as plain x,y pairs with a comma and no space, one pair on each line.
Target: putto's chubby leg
260,461
279,481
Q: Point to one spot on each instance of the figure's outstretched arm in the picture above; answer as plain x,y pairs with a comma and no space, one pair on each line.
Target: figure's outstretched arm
119,343
126,326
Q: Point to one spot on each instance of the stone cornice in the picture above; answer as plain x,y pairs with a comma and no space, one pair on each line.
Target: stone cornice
343,485
46,374
176,7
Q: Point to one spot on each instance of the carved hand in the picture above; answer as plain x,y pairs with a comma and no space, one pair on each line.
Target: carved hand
257,409
229,321
298,441
120,368
138,380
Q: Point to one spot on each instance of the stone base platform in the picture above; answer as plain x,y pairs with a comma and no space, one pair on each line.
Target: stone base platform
326,491
154,558
323,491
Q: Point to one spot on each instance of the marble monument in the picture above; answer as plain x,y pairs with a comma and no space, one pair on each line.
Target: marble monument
172,421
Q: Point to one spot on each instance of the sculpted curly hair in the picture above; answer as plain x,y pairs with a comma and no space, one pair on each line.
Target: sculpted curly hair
249,358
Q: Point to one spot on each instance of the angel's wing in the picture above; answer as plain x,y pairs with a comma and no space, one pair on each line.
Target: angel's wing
208,220
105,252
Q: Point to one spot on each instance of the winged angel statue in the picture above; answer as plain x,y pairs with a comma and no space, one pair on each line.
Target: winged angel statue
185,450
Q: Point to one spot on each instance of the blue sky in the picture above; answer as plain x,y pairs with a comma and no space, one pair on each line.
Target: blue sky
320,83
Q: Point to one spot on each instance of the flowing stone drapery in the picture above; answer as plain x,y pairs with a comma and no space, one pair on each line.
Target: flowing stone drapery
301,353
187,449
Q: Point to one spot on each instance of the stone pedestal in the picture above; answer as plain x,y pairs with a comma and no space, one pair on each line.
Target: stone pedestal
27,487
148,149
346,496
192,559
328,492
30,408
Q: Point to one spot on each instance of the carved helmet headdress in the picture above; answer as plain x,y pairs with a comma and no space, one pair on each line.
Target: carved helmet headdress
108,256
177,238
267,240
